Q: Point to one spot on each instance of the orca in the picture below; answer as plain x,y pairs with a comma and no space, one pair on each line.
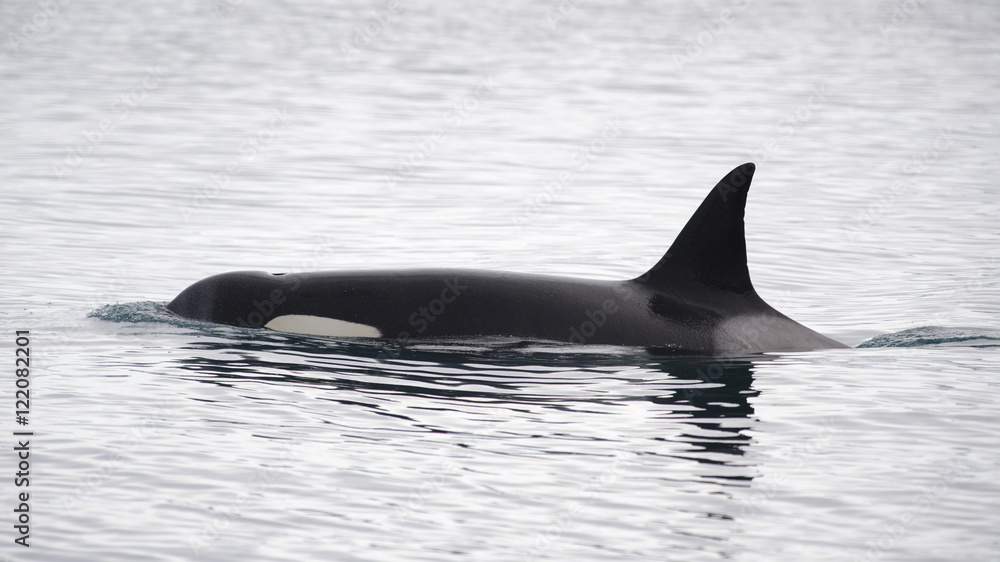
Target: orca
697,299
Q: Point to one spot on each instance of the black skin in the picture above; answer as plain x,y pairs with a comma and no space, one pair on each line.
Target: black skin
687,302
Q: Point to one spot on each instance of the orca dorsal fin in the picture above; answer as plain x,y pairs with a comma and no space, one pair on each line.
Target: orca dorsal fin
711,250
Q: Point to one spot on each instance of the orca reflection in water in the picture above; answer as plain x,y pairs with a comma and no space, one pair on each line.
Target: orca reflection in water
698,298
702,403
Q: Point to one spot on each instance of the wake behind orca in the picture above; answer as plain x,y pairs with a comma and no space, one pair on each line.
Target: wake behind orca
698,298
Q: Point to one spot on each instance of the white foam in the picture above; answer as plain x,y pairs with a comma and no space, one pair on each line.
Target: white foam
322,326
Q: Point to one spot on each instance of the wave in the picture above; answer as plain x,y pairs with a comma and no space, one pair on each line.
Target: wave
937,336
134,312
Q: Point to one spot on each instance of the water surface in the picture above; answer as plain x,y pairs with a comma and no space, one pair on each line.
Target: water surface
147,146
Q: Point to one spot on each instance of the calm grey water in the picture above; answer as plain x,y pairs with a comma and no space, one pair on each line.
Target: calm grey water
146,146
